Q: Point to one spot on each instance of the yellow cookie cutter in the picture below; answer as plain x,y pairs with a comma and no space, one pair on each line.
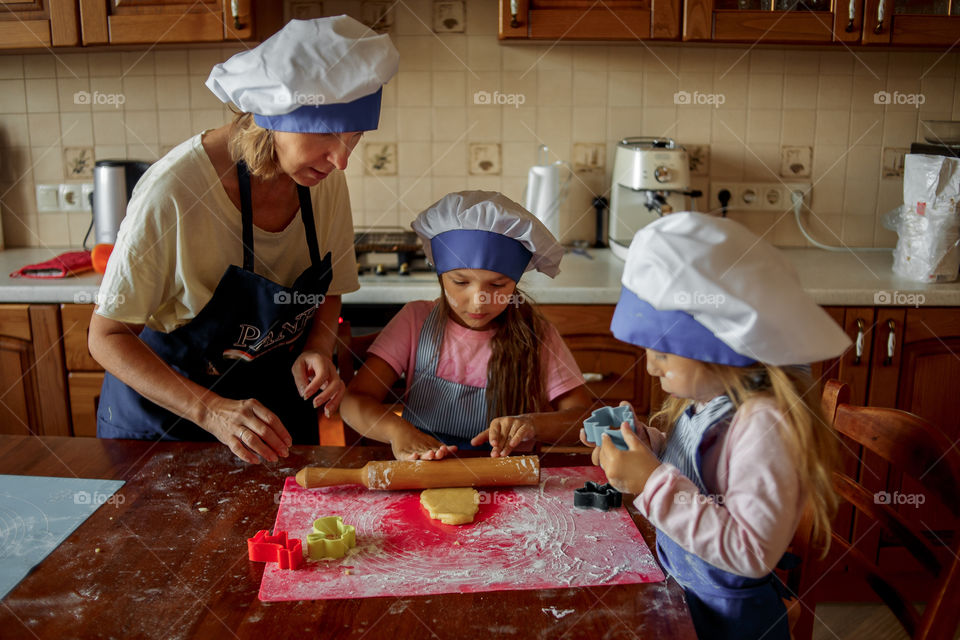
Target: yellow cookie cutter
330,538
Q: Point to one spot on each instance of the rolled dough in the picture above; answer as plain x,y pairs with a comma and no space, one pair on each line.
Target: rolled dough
451,506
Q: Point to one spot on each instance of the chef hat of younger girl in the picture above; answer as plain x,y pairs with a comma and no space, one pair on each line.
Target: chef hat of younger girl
706,288
313,76
486,230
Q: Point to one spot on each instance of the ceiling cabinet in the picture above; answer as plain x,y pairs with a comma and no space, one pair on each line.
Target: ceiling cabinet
31,24
161,21
588,20
853,22
35,24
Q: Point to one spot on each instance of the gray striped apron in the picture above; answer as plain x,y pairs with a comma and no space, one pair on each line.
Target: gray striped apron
684,443
449,411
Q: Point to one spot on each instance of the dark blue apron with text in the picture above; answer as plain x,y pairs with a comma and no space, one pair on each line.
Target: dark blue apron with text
723,605
241,345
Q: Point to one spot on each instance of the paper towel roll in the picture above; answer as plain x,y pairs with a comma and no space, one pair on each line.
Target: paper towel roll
543,195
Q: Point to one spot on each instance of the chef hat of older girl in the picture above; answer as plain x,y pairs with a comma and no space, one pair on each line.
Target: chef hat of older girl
313,76
706,288
486,230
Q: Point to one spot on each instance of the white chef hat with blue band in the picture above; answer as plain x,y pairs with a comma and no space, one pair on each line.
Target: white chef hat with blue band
707,288
486,230
313,76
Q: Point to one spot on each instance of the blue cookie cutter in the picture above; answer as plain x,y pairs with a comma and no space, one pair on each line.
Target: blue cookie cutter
607,420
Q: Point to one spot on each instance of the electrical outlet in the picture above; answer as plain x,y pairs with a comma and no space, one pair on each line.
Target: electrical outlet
757,196
71,197
48,197
86,192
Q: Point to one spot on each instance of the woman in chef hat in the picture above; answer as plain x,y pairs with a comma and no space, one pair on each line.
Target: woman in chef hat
217,313
728,331
483,367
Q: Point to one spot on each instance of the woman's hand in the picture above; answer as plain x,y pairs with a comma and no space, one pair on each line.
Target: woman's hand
505,434
628,470
314,372
413,444
248,428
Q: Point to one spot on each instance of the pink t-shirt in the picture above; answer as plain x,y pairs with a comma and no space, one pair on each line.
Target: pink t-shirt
465,353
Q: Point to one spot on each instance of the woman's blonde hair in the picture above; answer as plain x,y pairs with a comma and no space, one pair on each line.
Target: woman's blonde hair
808,435
254,145
514,383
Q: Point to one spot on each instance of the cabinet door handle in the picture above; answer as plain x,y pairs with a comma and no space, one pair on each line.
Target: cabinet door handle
858,343
514,10
891,342
593,377
851,15
881,14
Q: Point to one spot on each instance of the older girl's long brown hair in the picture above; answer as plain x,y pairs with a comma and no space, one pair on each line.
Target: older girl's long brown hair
514,383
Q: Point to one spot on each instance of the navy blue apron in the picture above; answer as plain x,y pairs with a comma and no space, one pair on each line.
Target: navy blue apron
723,605
241,345
451,412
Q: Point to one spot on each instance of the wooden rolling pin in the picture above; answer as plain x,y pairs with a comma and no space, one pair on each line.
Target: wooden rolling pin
428,474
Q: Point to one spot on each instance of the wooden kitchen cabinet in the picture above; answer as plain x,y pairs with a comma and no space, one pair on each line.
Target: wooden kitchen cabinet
32,380
932,23
588,20
162,21
31,24
615,370
771,21
907,22
84,374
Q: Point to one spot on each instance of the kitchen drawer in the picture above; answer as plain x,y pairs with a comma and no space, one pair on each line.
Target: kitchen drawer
76,324
84,390
614,370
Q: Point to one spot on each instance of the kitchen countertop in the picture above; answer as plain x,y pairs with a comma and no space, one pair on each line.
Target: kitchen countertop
832,278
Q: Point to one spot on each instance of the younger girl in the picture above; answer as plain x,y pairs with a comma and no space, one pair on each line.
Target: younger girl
725,322
482,365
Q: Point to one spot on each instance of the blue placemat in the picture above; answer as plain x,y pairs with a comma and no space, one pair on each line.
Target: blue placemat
38,513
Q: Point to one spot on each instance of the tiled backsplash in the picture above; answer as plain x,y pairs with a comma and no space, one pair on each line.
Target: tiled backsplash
467,112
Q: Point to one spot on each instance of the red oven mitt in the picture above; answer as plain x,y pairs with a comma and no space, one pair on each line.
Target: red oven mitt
66,264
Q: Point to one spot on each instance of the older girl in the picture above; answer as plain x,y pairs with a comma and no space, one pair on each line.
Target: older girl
483,367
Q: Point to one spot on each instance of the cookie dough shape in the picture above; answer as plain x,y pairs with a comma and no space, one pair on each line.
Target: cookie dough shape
451,506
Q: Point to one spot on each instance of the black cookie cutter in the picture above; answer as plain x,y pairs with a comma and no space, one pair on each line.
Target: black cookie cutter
597,496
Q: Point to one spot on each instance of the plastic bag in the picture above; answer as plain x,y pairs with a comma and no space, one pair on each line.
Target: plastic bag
928,223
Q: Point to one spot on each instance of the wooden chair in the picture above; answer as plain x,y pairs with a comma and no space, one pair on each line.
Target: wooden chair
912,447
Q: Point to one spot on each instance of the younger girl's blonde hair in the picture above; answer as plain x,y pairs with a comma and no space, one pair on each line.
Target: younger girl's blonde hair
254,145
808,435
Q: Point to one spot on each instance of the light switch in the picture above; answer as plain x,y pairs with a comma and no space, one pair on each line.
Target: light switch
48,197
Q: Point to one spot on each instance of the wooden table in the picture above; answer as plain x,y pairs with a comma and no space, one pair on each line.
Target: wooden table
172,560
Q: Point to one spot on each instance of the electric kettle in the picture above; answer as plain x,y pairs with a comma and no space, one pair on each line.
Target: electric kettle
113,182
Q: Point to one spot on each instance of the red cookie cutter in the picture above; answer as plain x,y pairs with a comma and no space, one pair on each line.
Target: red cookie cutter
263,547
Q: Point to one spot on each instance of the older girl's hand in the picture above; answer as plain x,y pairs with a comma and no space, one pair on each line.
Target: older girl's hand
505,434
413,444
314,372
628,470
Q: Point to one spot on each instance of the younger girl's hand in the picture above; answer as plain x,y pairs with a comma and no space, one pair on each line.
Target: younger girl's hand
505,434
414,444
314,372
627,470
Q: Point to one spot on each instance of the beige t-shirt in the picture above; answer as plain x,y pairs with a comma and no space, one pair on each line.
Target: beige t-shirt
181,232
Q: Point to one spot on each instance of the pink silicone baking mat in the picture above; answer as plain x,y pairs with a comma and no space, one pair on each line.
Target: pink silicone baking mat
521,538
